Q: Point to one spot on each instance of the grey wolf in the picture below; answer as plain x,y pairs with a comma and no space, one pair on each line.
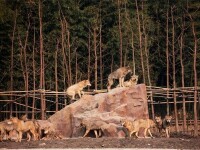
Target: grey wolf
22,126
164,124
119,74
97,125
77,88
134,126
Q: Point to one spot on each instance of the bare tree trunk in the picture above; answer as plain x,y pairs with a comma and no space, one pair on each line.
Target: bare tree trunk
56,74
195,77
89,54
95,56
146,47
24,64
26,71
183,73
125,54
33,63
69,53
120,32
11,62
100,51
133,52
132,38
63,23
65,65
167,57
140,38
42,86
76,78
174,70
111,65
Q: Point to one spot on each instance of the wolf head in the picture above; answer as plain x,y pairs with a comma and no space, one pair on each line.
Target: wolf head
87,83
158,119
134,78
168,118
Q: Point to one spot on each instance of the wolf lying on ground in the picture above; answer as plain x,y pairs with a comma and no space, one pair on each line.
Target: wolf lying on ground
134,126
77,88
164,124
118,74
22,126
132,82
97,125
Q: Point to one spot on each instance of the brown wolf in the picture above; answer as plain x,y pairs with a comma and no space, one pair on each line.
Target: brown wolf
119,74
132,82
50,133
36,124
5,128
134,126
77,88
93,125
23,127
164,124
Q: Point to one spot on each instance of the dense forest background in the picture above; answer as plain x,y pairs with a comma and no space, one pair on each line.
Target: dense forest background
52,44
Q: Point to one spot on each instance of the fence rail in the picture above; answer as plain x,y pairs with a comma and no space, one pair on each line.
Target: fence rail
45,102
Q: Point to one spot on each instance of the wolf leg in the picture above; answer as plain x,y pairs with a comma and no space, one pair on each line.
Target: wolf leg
131,133
86,132
82,93
79,94
96,134
167,133
122,82
110,82
28,136
136,134
150,133
100,133
20,136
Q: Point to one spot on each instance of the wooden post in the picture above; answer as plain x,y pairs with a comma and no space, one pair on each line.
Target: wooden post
152,107
184,114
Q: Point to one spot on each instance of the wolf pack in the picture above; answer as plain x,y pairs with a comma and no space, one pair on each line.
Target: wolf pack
31,129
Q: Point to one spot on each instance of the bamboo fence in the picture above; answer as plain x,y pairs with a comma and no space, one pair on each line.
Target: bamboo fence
160,102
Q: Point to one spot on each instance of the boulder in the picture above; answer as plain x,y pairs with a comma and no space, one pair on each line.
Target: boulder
119,103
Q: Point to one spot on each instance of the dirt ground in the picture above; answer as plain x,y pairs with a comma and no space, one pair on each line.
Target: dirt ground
175,142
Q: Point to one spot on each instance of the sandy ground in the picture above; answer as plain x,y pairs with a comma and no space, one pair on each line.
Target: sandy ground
176,142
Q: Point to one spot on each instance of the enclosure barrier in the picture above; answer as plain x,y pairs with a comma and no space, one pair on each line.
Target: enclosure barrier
40,104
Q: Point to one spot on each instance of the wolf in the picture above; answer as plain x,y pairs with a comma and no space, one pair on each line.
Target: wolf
97,125
134,126
119,74
77,88
36,124
23,127
164,124
50,133
5,128
132,82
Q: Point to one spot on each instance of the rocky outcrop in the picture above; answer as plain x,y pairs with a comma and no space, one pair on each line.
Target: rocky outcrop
120,103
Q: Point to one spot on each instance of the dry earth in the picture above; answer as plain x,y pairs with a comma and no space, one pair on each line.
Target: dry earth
175,142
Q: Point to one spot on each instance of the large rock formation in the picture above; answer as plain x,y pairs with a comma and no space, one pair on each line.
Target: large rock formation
120,103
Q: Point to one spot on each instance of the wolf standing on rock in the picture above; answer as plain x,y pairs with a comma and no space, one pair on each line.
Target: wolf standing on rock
77,88
119,74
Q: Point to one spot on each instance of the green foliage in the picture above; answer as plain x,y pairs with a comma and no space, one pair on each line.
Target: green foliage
76,20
